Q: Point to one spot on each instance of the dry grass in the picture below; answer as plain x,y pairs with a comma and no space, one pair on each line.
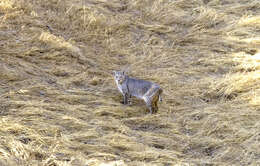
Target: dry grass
60,106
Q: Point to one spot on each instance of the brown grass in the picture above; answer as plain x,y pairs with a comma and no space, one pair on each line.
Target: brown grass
60,105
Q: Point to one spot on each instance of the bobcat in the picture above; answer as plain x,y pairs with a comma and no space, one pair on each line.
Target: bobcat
148,91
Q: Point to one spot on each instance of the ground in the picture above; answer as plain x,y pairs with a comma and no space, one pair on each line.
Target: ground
60,104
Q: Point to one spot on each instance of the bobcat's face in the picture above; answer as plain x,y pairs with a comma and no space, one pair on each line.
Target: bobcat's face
119,76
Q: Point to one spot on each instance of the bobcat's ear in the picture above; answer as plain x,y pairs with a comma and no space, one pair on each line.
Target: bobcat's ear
113,73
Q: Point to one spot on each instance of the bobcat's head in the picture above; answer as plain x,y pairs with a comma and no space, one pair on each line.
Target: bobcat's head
119,76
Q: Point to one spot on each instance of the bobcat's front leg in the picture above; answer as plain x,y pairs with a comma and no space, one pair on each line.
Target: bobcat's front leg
125,98
129,100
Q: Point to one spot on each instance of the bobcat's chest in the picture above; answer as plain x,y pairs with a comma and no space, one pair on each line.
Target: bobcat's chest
119,86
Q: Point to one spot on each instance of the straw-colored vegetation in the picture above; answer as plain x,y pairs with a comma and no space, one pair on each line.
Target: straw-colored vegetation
60,106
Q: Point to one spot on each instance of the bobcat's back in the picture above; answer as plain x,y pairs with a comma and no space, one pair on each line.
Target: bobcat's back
138,88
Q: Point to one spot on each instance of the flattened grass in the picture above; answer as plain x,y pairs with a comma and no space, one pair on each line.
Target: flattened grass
60,106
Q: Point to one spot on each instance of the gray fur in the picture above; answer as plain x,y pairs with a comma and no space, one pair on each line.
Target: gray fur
148,91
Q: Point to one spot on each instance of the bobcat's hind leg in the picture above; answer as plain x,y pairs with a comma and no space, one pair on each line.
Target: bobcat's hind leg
155,99
155,106
149,105
150,109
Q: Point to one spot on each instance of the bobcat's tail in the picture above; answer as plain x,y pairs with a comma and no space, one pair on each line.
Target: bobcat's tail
160,92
